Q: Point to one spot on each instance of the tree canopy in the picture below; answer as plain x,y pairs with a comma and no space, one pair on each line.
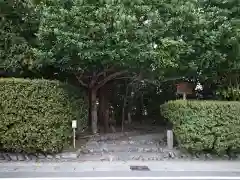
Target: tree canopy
18,23
95,37
99,41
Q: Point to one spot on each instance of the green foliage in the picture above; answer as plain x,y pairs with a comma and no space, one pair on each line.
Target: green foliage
36,114
195,37
231,94
212,126
18,25
210,30
95,35
229,86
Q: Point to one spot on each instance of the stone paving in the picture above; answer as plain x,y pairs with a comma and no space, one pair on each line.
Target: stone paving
129,147
126,146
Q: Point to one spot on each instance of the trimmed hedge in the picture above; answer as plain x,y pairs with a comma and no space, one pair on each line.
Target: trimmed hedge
205,126
36,115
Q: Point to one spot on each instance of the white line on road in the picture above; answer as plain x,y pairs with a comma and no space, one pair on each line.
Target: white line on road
131,178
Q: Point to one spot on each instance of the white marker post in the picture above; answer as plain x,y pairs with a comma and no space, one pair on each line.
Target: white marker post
170,139
74,126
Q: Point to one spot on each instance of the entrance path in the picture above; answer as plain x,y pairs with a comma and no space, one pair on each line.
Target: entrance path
144,143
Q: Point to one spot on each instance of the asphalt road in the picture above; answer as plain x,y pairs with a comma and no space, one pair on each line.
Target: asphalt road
120,171
118,175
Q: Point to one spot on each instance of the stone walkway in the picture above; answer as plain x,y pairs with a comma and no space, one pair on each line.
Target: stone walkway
142,145
132,146
123,148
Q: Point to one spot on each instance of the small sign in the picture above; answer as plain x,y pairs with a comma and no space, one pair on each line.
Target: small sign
184,88
74,124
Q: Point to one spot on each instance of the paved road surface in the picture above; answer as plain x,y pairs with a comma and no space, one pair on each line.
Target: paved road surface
118,175
121,170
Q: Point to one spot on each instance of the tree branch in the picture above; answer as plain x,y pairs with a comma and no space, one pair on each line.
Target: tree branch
105,71
79,78
108,78
151,82
136,77
126,77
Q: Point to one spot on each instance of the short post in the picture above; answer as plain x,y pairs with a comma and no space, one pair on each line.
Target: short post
74,126
170,139
184,96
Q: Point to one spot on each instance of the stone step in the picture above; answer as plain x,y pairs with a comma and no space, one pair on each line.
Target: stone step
92,144
129,136
123,156
152,136
113,136
103,147
134,142
130,148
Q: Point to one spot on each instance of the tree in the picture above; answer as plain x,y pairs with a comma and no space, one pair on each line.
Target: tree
229,33
99,41
18,24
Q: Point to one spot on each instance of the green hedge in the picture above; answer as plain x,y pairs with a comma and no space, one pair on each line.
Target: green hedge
35,115
211,126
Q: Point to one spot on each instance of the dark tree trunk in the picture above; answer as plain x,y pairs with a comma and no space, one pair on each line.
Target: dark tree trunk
104,108
124,105
123,114
129,117
106,119
141,108
94,117
93,86
101,106
89,108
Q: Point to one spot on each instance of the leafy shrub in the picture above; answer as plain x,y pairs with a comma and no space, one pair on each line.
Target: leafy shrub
230,93
35,115
212,126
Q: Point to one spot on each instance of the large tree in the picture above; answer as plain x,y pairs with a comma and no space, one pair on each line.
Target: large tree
99,41
225,16
18,23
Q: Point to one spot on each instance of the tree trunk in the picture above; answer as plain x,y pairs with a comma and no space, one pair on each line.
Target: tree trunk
104,108
124,105
141,109
89,108
101,107
123,114
129,118
93,87
94,117
106,118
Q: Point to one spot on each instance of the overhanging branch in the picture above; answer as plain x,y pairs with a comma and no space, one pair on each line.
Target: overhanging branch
110,77
105,71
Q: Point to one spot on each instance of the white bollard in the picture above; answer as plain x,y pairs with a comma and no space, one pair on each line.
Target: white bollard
170,139
74,126
184,96
74,138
